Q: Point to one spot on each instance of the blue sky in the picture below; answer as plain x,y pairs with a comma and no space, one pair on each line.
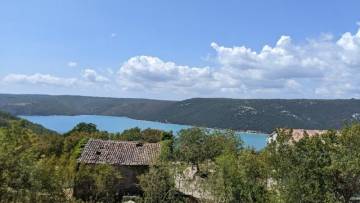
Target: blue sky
181,49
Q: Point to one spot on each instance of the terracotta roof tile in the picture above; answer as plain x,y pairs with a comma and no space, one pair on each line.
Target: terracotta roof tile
119,152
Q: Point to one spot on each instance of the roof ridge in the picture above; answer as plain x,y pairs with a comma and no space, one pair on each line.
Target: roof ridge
122,141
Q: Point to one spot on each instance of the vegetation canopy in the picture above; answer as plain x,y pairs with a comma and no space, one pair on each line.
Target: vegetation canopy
38,165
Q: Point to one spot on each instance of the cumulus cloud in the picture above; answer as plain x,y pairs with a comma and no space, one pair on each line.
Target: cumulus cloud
323,67
151,73
88,78
91,75
41,79
326,67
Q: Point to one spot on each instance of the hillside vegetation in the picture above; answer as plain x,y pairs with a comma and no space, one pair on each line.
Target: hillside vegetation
43,168
238,114
6,120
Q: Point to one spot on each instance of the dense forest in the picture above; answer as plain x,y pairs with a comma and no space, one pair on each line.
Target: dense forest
38,165
237,114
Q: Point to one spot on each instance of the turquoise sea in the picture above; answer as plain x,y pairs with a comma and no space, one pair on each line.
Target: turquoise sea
63,124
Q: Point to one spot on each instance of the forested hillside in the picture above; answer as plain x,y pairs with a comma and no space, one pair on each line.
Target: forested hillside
75,105
239,114
263,114
38,167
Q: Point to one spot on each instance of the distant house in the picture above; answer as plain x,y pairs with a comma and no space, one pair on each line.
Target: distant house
296,134
131,158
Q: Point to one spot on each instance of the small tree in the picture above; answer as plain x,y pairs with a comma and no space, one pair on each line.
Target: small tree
151,135
158,185
345,164
27,173
239,178
148,135
83,127
300,169
196,145
132,134
97,183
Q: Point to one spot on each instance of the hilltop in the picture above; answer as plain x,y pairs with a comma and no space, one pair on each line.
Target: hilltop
238,114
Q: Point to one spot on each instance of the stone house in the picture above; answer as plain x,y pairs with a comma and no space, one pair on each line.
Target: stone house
131,158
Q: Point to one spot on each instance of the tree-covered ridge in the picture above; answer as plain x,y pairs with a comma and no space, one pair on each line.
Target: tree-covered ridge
237,114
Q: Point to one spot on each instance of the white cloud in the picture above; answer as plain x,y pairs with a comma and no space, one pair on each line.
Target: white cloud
113,35
326,67
72,64
40,79
323,67
153,74
91,75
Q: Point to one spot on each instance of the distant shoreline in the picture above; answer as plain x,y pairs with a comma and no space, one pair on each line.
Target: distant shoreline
243,115
117,124
204,127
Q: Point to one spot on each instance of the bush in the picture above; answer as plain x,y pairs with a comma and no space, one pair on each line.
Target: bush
97,183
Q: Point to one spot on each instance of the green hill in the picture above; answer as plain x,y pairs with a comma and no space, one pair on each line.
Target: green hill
240,114
6,119
75,105
263,114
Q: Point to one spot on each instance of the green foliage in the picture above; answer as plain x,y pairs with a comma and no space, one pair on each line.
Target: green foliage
42,167
345,162
152,135
196,145
191,145
75,139
148,135
38,166
301,173
239,178
97,183
28,172
83,128
158,185
166,153
322,168
132,134
7,119
237,175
